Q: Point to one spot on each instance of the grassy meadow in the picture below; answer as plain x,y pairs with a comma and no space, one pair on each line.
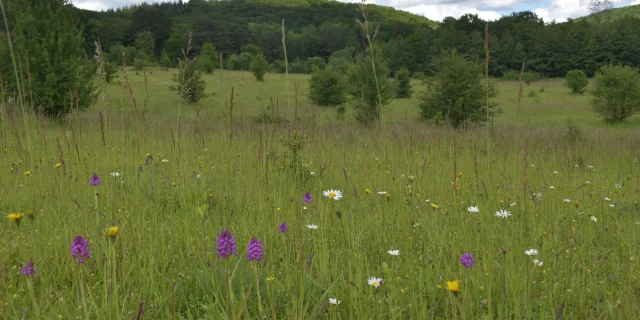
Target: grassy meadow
174,176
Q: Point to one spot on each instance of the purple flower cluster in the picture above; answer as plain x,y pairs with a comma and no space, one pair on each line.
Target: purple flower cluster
29,269
254,251
283,227
307,198
80,249
95,180
467,260
226,245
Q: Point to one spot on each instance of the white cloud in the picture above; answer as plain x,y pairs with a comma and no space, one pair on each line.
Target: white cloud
440,11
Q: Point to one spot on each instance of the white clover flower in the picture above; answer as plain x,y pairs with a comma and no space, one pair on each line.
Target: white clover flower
531,252
594,219
334,301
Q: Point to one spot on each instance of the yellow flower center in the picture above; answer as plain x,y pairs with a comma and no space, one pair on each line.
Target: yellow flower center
332,195
375,283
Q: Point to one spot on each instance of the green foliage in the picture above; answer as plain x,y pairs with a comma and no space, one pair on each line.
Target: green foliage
362,87
251,48
58,67
531,76
239,61
110,71
208,58
403,82
616,95
296,66
314,63
259,67
573,133
165,60
277,66
456,93
326,88
191,88
146,43
577,81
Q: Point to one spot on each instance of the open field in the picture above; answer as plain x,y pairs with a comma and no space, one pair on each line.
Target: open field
184,176
550,108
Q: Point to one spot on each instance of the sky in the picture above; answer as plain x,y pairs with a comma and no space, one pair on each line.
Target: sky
548,10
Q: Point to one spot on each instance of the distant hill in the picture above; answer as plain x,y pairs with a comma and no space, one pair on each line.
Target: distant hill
314,27
615,14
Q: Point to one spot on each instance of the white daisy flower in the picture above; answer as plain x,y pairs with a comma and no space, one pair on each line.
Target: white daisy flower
473,209
334,301
312,173
590,167
394,252
555,172
587,182
594,219
312,226
373,281
552,187
427,200
503,214
612,205
512,204
304,208
382,193
607,199
537,262
165,160
567,200
333,194
115,174
531,252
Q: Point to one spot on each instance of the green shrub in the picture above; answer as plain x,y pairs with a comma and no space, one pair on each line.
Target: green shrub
617,93
577,81
259,66
208,58
456,93
403,83
190,87
531,76
362,87
326,88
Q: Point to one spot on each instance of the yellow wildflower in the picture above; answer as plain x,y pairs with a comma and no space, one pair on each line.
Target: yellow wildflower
388,196
271,278
453,286
577,203
460,174
112,232
27,173
434,206
58,165
367,191
15,217
148,155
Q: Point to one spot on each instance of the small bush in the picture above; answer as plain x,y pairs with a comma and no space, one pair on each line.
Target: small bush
617,93
457,93
511,75
190,87
577,81
531,76
532,94
259,66
403,82
326,88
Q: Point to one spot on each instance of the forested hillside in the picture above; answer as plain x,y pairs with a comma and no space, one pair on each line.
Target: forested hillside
319,32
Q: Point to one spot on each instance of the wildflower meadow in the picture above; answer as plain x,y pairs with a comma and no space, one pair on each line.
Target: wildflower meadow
120,215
